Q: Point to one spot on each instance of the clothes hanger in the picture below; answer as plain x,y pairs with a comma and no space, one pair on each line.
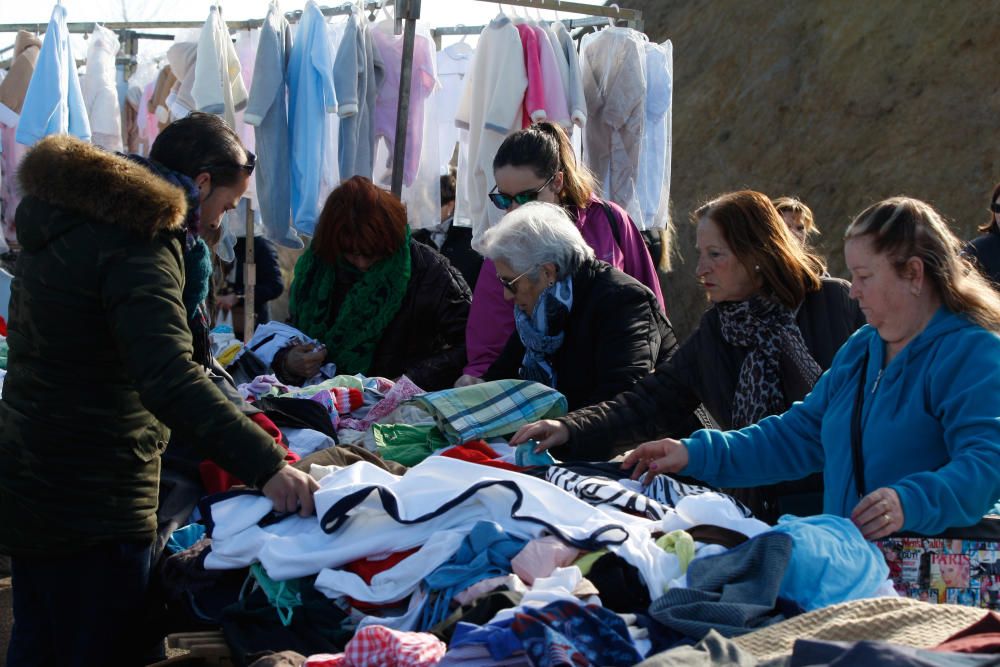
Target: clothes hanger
611,19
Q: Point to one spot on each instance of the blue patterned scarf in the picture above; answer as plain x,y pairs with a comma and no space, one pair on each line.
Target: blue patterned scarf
544,330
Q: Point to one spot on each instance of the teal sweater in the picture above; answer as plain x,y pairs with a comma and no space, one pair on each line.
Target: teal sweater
931,429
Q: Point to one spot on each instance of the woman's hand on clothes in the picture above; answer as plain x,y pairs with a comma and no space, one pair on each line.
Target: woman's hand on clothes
304,360
468,380
548,432
878,514
291,490
227,301
656,456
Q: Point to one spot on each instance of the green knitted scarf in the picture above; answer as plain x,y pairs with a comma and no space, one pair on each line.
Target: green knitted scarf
370,305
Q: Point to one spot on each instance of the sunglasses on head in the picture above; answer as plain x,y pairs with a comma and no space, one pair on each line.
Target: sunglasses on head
504,201
995,208
246,166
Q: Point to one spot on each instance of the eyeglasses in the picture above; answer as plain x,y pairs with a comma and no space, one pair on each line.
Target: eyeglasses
246,166
504,201
995,208
510,285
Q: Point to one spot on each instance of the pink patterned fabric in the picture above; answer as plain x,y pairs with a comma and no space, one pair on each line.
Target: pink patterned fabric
379,646
403,390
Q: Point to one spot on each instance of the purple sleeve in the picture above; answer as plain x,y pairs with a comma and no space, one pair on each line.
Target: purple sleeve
491,322
636,260
632,257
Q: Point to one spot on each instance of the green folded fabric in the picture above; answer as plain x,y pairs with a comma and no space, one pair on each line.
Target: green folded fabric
679,543
407,444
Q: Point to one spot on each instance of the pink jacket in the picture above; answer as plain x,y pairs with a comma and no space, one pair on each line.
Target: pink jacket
491,318
534,96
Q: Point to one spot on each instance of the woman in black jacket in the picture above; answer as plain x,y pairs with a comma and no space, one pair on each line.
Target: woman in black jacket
774,327
985,249
379,302
583,327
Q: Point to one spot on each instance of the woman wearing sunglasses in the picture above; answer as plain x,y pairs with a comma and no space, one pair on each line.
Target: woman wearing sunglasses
583,327
985,249
537,164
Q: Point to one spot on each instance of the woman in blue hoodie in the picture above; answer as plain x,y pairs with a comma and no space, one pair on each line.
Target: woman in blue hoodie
910,402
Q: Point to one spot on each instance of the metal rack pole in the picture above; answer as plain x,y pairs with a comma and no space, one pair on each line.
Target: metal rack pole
407,11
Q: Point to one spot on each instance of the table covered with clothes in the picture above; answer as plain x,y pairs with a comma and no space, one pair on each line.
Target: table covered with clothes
435,542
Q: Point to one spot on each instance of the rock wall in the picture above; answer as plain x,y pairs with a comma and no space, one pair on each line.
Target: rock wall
838,102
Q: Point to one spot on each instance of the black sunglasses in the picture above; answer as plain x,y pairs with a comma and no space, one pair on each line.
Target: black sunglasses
504,202
511,285
246,166
995,208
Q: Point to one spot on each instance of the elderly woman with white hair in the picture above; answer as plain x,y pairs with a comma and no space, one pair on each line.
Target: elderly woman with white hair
583,327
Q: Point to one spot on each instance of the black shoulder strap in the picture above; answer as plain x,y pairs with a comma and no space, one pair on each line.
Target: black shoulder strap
856,454
614,224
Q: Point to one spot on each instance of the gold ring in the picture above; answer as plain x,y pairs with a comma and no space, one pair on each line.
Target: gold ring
887,519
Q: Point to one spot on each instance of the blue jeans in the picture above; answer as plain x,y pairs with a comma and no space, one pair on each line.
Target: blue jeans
84,609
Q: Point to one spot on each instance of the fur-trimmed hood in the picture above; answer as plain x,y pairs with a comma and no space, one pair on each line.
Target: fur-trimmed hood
75,176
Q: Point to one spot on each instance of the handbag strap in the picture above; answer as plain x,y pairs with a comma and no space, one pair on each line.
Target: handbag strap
613,224
856,454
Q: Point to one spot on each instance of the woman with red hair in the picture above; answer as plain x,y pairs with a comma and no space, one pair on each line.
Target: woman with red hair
378,302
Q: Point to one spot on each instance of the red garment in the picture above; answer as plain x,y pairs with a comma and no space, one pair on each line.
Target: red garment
983,636
479,452
379,646
366,568
3,327
217,480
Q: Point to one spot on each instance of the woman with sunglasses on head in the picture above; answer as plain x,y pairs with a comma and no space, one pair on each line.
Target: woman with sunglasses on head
775,325
583,327
537,164
985,249
101,369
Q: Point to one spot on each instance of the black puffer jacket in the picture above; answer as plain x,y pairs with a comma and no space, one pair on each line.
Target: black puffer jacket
985,253
616,334
426,339
706,370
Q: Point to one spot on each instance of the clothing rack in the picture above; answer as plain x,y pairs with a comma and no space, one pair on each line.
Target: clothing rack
407,13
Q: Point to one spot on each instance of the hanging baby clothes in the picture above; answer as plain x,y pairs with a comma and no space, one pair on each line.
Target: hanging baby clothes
182,58
452,66
146,120
490,109
234,222
422,84
100,91
218,86
165,82
421,192
614,82
131,119
358,72
311,97
267,112
12,92
330,179
556,109
575,95
533,108
654,159
53,103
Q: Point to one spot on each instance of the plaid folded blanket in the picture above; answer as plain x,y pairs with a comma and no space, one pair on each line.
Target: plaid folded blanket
490,409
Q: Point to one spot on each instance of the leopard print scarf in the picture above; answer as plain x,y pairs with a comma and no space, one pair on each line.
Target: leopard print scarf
768,329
